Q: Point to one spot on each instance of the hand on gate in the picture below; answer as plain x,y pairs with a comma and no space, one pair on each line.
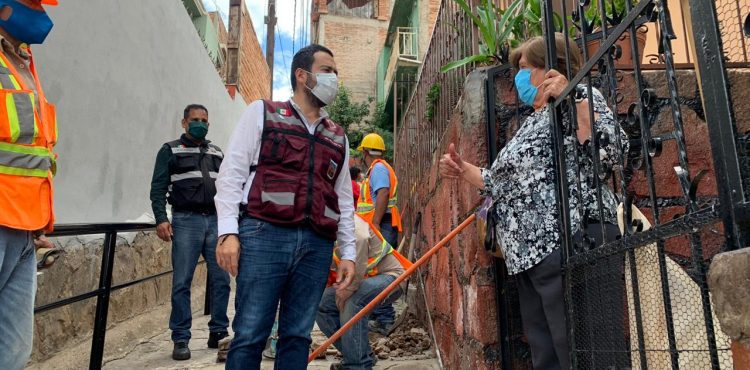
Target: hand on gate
553,85
451,164
228,253
164,231
345,275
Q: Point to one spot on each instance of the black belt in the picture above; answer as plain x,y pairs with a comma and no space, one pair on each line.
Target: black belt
210,212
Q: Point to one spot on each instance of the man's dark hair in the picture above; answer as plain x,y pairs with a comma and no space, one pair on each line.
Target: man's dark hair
354,172
186,113
305,58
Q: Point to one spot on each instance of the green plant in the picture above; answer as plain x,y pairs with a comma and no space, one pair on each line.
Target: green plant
495,29
432,97
380,118
532,24
345,112
614,11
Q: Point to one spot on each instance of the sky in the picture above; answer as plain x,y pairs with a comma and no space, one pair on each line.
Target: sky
291,35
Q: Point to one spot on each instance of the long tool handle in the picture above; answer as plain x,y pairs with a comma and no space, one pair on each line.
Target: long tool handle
421,261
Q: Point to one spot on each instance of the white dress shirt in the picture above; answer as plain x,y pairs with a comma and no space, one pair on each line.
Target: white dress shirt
234,180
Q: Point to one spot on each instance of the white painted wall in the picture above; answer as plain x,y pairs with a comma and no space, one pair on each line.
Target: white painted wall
121,72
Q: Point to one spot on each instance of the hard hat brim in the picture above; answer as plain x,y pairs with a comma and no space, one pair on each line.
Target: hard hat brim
50,2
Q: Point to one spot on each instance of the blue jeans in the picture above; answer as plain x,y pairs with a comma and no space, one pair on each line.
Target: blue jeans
354,344
386,314
17,291
195,235
287,264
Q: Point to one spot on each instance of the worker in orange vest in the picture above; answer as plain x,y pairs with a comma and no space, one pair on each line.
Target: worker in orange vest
378,204
377,266
27,134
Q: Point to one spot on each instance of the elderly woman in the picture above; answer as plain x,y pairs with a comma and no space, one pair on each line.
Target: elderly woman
521,182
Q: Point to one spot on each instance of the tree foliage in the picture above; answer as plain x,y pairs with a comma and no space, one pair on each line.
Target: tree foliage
350,114
346,112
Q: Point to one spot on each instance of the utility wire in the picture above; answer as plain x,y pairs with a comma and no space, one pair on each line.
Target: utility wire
281,44
294,27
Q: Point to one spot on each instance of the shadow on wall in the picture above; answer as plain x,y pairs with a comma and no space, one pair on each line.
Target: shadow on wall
120,96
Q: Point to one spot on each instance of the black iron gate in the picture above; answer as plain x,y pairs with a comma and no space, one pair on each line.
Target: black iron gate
641,300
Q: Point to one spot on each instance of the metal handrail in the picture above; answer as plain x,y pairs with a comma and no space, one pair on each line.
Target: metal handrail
105,289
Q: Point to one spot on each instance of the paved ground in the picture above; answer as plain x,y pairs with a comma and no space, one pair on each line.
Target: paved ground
142,343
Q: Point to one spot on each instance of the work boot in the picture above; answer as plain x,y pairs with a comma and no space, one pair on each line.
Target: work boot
380,328
181,351
215,337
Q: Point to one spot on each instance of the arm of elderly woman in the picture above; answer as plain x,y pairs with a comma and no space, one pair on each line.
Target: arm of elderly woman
452,166
552,86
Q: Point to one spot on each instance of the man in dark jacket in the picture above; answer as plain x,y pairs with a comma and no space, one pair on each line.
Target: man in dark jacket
185,175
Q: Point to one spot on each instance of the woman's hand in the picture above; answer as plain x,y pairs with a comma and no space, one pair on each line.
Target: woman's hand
553,85
451,164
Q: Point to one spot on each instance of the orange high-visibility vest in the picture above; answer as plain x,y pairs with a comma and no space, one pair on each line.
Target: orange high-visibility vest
365,206
372,261
28,132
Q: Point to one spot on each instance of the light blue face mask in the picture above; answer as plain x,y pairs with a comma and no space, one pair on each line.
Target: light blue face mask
526,90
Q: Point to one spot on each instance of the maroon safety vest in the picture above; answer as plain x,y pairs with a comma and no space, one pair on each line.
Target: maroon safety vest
296,171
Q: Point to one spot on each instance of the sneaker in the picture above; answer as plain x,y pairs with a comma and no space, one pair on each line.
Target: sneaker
214,338
181,351
337,366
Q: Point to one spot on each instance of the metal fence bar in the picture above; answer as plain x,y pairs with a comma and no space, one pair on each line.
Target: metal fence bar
102,302
105,289
719,118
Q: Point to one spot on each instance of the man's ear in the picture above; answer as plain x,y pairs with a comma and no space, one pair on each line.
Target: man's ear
301,76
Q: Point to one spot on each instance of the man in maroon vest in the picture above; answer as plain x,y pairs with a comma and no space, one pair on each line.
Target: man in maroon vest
283,197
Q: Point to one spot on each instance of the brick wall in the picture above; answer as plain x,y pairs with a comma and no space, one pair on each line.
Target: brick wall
459,280
254,75
356,44
428,16
668,190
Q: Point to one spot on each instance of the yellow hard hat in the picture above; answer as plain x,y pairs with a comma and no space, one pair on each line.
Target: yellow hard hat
372,141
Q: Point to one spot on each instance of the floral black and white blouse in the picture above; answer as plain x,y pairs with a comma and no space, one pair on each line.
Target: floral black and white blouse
522,184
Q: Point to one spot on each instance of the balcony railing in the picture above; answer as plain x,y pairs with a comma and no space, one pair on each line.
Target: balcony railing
405,53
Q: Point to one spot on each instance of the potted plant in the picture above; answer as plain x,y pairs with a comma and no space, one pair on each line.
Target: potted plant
615,11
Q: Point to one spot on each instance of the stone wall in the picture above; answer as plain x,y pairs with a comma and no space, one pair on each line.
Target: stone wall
459,280
139,256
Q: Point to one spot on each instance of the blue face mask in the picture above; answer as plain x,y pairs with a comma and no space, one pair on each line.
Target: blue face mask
27,25
526,90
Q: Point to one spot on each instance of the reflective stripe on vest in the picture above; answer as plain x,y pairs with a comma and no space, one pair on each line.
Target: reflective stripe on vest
366,205
372,262
19,107
191,175
193,150
24,160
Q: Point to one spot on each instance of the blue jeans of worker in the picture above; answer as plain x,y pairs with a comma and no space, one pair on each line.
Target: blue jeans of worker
386,314
17,291
354,344
277,264
195,235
